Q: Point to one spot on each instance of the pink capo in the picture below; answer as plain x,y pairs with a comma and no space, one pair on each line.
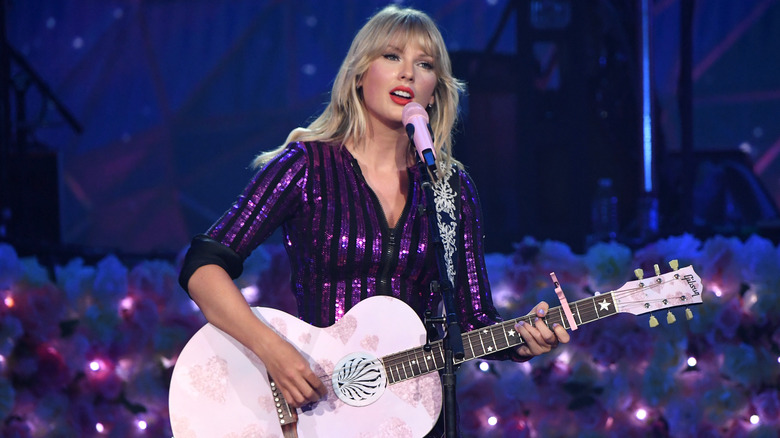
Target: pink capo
564,303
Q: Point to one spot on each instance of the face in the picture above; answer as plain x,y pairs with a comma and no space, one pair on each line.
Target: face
397,77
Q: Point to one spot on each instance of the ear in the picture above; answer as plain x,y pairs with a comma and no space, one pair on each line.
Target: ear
431,101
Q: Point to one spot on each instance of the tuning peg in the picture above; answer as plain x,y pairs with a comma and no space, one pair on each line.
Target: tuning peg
653,321
640,274
657,269
674,264
670,319
688,314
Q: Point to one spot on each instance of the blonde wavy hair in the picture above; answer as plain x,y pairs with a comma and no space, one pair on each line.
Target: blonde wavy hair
344,119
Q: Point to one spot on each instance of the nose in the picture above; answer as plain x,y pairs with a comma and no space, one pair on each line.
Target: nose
407,71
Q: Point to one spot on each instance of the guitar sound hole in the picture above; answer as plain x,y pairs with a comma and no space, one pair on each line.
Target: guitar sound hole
359,379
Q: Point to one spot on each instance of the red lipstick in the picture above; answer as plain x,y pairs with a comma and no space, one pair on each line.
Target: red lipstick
401,95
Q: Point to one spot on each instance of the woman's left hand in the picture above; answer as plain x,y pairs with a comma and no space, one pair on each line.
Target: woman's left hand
539,338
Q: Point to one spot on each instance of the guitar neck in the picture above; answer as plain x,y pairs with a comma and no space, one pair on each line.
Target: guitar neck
411,363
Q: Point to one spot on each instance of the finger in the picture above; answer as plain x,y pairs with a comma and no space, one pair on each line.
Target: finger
317,384
561,333
546,335
293,396
307,390
541,309
531,336
524,352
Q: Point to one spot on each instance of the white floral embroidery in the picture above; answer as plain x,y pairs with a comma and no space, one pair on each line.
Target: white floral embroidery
444,199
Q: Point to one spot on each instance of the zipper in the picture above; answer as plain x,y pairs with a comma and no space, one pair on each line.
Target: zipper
389,247
383,282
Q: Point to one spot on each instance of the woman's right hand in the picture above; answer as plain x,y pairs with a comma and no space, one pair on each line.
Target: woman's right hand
291,372
223,305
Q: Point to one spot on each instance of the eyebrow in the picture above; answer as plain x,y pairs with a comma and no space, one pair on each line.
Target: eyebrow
394,47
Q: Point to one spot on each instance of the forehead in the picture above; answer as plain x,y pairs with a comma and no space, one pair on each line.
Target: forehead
414,39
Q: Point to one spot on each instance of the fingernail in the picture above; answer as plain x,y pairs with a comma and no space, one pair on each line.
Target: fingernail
521,323
536,320
541,312
556,325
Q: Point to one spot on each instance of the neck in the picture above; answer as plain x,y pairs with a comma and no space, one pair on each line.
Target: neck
383,150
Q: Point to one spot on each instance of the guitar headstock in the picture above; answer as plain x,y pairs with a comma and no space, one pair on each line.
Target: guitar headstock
680,287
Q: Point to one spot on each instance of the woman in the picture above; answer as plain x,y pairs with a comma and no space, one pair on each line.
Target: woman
346,191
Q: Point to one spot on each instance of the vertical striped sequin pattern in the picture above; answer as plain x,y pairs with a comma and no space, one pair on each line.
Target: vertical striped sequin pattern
338,242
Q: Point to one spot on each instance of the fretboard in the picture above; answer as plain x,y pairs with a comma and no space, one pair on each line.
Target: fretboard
488,340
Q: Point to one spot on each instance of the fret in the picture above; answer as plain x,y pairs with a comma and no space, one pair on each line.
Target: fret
495,346
562,318
503,330
481,343
437,348
471,346
593,301
426,356
397,373
414,365
515,335
577,308
607,304
392,378
420,355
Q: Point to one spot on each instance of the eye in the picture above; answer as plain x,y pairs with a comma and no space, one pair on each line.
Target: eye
391,56
426,65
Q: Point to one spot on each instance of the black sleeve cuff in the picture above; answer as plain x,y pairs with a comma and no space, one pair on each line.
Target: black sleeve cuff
207,251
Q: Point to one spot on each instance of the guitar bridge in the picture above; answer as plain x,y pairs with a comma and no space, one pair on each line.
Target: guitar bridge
286,414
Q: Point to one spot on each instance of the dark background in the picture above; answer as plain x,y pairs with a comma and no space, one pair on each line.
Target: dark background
128,126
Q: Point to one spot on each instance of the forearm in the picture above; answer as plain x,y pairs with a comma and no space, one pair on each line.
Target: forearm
225,307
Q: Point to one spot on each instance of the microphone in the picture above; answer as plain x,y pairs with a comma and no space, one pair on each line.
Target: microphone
415,119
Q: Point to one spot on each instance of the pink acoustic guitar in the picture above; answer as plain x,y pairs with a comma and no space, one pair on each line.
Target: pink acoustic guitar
382,383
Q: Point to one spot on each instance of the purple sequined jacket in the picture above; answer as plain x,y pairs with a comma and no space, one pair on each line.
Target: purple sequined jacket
340,247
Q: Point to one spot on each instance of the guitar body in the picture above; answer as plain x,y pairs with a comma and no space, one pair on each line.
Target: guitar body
221,389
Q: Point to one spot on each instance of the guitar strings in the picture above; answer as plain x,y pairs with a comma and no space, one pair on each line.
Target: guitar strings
403,357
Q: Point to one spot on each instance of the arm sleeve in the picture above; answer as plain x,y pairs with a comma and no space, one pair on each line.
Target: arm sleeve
475,301
206,251
273,195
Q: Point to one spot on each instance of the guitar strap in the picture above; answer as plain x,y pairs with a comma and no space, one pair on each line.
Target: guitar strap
446,194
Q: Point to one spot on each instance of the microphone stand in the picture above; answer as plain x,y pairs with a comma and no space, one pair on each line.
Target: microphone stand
452,341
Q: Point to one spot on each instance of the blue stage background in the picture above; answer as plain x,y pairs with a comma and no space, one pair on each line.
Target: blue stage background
176,98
